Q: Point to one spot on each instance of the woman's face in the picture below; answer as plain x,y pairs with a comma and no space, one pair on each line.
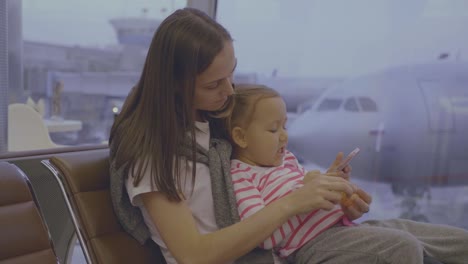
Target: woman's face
214,85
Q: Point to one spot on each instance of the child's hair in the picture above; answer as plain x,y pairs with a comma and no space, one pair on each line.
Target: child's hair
158,112
246,98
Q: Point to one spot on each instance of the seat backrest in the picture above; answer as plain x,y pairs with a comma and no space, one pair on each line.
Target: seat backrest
86,178
26,129
24,237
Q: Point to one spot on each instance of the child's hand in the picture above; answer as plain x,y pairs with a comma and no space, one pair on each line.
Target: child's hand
345,173
320,191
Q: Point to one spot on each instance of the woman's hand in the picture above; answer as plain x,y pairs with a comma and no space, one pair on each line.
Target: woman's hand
320,191
359,204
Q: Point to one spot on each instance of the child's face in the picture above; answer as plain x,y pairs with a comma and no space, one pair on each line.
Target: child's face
266,136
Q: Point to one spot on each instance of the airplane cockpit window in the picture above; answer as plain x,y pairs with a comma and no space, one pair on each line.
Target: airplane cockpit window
367,104
351,105
329,104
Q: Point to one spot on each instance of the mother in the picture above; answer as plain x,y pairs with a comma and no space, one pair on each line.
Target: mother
161,154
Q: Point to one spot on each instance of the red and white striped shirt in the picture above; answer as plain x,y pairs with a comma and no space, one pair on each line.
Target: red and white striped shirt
255,187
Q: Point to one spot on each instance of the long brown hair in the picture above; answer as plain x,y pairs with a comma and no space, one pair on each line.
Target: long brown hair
245,98
158,112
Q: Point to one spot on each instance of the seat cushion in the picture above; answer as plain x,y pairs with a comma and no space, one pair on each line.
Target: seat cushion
24,237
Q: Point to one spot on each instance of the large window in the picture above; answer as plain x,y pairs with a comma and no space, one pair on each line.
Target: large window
75,62
405,63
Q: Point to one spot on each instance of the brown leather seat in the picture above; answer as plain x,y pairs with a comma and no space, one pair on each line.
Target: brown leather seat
24,237
85,176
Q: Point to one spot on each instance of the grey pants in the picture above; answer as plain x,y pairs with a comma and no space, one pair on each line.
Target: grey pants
388,241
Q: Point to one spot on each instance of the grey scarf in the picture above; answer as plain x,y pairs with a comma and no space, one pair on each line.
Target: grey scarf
218,158
225,208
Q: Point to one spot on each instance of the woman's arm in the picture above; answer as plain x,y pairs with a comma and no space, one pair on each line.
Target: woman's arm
360,204
179,231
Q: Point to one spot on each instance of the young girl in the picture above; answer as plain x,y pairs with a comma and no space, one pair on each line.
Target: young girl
263,171
169,117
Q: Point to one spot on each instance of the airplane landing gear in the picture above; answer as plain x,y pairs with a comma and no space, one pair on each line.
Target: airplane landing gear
411,195
411,210
408,190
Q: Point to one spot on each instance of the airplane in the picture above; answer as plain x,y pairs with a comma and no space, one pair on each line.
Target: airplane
410,122
297,90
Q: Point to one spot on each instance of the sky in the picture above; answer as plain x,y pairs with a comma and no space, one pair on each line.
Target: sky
86,22
342,37
292,37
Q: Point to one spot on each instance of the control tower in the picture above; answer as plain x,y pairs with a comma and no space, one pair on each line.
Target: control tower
134,35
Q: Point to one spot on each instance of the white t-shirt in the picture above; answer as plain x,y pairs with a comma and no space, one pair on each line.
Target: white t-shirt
200,201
